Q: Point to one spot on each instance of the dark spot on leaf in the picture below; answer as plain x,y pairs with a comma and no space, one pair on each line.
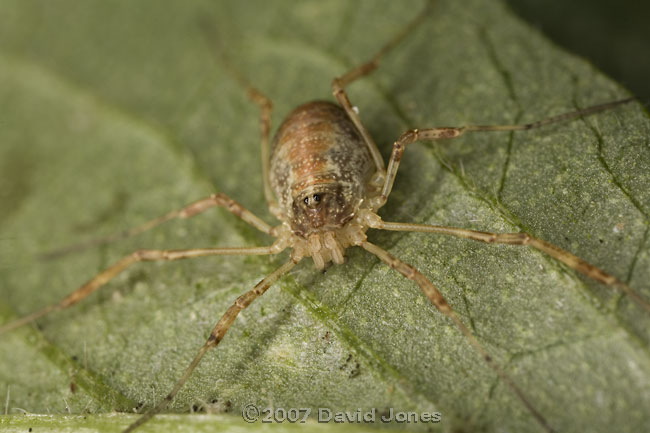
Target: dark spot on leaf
355,371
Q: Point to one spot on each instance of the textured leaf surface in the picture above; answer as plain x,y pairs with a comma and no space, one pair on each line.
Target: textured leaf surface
178,423
116,112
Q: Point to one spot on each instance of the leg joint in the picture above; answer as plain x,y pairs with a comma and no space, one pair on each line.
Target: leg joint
220,198
337,87
406,138
145,255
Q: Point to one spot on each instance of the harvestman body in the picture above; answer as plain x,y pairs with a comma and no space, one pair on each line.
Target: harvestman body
325,180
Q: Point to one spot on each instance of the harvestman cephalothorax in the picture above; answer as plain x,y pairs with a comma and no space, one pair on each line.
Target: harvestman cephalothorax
325,180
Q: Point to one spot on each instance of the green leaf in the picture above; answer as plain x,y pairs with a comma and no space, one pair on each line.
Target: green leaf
117,112
193,423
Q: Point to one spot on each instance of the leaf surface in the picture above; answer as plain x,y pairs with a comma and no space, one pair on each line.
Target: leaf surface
119,112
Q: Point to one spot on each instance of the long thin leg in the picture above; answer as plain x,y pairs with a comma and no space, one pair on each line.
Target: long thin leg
263,102
452,132
195,208
215,337
109,273
266,106
574,262
339,84
443,306
265,126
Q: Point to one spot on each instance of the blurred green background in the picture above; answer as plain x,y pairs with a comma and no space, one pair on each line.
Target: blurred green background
613,35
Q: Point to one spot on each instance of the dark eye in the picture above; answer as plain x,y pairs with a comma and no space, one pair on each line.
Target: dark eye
316,198
306,200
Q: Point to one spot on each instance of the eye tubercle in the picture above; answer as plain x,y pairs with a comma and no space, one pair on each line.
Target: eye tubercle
312,200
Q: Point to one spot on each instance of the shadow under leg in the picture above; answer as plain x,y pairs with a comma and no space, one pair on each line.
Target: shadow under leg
109,273
571,260
195,208
441,304
340,83
217,334
441,133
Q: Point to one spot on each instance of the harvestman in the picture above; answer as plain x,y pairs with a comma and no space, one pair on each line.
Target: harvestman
325,180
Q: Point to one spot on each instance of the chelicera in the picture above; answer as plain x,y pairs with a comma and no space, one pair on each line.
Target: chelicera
325,181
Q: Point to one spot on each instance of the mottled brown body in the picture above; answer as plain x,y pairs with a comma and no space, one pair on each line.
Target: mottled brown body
320,168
